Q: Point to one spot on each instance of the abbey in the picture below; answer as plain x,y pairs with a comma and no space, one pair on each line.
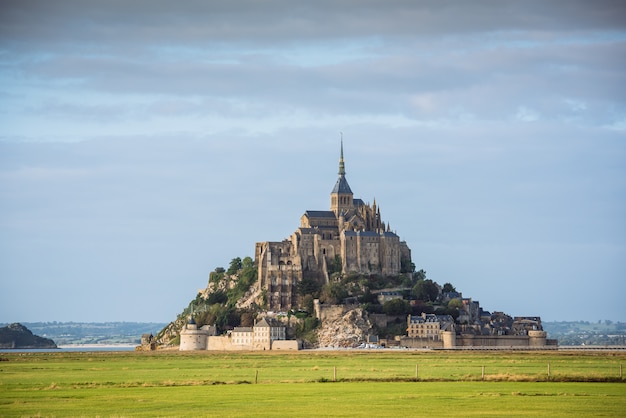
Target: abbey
351,232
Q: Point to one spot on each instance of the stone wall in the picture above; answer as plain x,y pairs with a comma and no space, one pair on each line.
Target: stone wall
411,342
224,343
329,312
286,345
464,340
380,320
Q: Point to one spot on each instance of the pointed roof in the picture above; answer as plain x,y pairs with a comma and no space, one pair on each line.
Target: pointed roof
342,186
262,324
342,167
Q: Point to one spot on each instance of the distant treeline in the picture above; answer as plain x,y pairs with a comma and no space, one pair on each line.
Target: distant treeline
566,332
93,332
587,332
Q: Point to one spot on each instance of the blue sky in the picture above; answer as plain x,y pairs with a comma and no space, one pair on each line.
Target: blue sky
142,145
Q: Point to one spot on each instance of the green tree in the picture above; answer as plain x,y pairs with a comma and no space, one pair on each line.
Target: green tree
247,263
333,294
447,288
307,304
217,275
217,297
305,327
396,307
308,286
425,290
368,297
235,266
455,304
336,266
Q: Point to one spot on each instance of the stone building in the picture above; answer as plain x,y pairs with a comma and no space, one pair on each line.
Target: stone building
429,326
194,338
266,334
352,231
440,331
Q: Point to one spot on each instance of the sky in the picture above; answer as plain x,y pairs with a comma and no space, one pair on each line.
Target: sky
143,144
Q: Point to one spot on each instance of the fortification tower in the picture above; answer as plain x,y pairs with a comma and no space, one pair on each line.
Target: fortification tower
341,198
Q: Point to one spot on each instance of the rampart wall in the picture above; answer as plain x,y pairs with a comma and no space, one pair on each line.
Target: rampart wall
324,311
286,345
224,343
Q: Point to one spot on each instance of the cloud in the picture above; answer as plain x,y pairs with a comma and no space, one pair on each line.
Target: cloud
280,22
137,135
484,76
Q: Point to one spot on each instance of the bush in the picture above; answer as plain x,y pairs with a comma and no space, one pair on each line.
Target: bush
396,307
218,297
305,329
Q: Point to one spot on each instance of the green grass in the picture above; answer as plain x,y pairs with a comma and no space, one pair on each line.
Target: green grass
368,383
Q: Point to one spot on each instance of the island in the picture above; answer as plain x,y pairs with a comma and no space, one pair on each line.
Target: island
17,336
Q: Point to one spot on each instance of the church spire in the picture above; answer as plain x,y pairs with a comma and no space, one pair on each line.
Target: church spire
342,167
341,196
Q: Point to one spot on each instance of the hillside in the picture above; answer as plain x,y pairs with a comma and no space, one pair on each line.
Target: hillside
16,335
579,333
355,306
67,333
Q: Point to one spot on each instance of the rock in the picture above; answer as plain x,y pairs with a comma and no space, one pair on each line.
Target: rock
18,336
349,330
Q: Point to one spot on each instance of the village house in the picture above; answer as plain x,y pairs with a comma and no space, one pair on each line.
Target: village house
429,326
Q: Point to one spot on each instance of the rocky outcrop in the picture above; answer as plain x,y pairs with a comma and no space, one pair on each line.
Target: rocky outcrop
18,336
347,330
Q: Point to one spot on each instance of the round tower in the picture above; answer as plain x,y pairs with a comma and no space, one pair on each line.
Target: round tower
537,338
192,338
449,339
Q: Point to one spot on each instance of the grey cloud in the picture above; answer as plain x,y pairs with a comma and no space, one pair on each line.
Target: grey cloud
474,124
493,77
285,21
511,54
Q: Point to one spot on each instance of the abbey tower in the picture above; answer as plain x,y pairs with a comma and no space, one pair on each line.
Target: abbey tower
351,230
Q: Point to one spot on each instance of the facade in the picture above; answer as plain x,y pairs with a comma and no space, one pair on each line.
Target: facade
429,326
351,231
439,331
266,334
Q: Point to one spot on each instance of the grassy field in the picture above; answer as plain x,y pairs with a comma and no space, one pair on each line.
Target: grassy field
312,383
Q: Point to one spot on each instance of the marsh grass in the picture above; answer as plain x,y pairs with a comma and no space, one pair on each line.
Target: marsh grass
208,384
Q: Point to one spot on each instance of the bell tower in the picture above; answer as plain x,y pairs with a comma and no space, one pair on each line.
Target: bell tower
341,198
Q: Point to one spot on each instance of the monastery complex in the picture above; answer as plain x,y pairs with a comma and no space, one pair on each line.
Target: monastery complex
351,237
351,230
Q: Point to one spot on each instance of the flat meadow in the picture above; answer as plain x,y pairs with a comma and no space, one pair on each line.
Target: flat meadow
313,383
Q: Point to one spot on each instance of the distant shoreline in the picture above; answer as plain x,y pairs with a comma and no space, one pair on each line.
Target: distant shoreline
121,345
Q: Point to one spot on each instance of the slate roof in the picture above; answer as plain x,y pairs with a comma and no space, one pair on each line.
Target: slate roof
369,234
320,214
342,186
262,324
242,329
